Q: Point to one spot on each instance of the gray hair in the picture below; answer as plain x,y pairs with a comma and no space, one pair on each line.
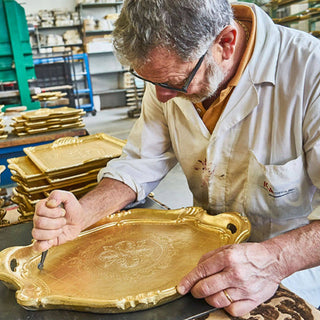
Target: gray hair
186,26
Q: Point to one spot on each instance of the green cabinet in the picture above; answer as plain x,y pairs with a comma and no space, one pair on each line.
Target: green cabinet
16,63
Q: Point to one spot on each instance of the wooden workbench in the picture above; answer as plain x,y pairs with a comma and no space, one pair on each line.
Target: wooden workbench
14,141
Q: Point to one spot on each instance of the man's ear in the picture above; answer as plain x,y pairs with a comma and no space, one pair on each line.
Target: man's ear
226,40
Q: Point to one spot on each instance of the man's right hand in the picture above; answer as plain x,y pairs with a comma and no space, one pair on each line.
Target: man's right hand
57,219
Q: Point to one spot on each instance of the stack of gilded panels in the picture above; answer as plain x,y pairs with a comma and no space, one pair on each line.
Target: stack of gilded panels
49,96
70,164
3,132
45,119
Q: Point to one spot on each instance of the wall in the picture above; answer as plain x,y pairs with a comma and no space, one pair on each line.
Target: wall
32,6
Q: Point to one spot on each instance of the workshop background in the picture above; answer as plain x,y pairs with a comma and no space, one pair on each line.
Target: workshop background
60,78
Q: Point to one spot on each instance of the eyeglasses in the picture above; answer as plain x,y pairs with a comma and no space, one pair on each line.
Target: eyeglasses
184,88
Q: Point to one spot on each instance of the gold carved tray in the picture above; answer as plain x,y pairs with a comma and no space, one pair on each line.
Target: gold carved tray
25,172
47,113
130,261
2,168
52,121
25,168
71,153
78,124
44,185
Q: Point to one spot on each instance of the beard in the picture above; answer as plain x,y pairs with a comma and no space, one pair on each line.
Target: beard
214,78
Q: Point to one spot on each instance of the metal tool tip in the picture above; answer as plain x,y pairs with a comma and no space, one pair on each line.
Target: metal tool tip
43,257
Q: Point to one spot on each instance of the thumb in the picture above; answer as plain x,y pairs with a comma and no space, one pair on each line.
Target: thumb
51,203
57,198
43,245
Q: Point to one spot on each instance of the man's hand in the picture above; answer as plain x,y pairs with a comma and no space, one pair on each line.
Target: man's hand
57,219
237,277
54,225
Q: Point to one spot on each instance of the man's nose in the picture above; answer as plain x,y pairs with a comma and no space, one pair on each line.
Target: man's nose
164,94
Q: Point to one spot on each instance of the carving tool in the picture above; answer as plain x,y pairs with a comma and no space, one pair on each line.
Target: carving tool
43,257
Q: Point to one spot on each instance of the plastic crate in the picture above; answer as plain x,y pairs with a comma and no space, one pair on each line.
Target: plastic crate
53,74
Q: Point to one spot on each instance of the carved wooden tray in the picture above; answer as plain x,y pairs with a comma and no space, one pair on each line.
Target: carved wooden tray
51,121
78,124
130,261
89,178
2,168
48,113
24,167
25,172
71,152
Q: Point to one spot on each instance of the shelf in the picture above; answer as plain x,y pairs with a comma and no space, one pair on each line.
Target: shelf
9,93
59,27
284,3
81,91
309,14
55,88
98,32
59,45
99,52
86,106
280,4
106,72
110,91
98,5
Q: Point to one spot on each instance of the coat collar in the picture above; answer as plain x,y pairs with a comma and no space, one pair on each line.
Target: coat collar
262,66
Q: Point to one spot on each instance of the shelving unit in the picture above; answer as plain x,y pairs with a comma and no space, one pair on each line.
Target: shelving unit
83,86
134,95
70,73
298,14
56,30
106,71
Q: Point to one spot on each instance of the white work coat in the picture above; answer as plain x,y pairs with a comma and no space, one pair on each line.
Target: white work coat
263,157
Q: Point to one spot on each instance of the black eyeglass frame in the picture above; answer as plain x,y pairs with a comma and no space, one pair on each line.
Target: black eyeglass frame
185,87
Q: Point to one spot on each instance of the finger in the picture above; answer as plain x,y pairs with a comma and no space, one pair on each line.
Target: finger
219,300
226,296
213,284
43,245
51,203
211,253
240,308
45,223
39,234
54,200
43,211
201,271
59,197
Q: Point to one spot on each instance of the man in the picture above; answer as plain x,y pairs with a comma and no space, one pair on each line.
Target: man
236,101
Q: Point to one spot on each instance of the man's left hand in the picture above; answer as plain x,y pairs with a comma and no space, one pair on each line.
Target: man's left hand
237,277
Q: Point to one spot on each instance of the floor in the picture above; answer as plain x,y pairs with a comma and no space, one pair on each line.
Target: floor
173,190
